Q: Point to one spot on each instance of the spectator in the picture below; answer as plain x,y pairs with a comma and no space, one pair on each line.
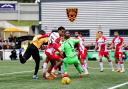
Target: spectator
1,55
0,45
0,39
7,45
13,55
11,38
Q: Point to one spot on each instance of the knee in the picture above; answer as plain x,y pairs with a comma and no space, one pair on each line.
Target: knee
81,62
100,60
116,61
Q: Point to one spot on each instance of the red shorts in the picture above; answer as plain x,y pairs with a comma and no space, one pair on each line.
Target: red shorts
102,53
53,57
81,55
118,55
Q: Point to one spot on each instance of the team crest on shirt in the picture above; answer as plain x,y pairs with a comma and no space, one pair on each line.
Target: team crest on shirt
72,14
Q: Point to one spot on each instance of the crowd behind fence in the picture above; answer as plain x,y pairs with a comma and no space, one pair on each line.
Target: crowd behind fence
13,43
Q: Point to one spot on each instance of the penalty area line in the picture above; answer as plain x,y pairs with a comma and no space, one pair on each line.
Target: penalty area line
119,85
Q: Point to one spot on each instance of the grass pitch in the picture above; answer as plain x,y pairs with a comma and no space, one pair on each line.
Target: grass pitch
14,75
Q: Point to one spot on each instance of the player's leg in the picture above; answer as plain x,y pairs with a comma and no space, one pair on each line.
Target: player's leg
65,65
48,73
26,55
100,61
106,54
121,62
45,64
116,56
85,52
58,60
59,70
78,66
62,69
117,65
83,63
36,57
76,62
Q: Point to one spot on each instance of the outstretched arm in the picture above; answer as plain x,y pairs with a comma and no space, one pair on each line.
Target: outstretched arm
45,35
76,41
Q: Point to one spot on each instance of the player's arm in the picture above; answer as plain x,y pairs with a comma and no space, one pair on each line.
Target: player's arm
96,45
45,40
112,44
76,41
62,47
58,48
105,41
123,44
62,50
45,35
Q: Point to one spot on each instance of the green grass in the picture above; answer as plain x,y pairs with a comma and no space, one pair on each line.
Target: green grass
23,23
96,80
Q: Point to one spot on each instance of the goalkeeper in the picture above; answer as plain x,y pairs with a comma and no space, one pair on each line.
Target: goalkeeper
70,54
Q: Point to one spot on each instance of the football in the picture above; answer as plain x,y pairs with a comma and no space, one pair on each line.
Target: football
65,81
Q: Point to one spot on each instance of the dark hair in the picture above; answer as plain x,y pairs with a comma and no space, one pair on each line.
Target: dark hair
42,32
77,32
100,31
67,32
61,28
116,32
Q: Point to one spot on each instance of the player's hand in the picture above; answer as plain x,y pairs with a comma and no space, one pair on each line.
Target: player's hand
61,53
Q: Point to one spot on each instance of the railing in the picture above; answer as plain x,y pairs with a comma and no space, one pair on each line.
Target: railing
5,54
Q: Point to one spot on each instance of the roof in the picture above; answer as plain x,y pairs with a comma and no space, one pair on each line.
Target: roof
13,30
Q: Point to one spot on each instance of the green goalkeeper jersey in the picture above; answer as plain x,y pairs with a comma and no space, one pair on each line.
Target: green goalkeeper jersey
68,47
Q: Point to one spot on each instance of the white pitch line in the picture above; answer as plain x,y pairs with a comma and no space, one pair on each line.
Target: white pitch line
117,86
16,73
97,68
33,70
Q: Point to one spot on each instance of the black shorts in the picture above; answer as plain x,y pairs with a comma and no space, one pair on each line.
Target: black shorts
33,51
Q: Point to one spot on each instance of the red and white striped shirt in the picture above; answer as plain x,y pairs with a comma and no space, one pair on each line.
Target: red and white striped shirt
118,42
102,43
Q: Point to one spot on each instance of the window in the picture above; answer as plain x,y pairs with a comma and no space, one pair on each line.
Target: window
122,32
85,33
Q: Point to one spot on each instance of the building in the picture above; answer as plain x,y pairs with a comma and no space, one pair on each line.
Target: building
12,10
88,15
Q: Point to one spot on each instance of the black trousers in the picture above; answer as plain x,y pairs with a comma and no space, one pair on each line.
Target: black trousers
33,51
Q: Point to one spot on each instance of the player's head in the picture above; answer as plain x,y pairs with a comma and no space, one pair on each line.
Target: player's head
100,33
76,34
116,34
42,32
61,31
67,35
80,34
